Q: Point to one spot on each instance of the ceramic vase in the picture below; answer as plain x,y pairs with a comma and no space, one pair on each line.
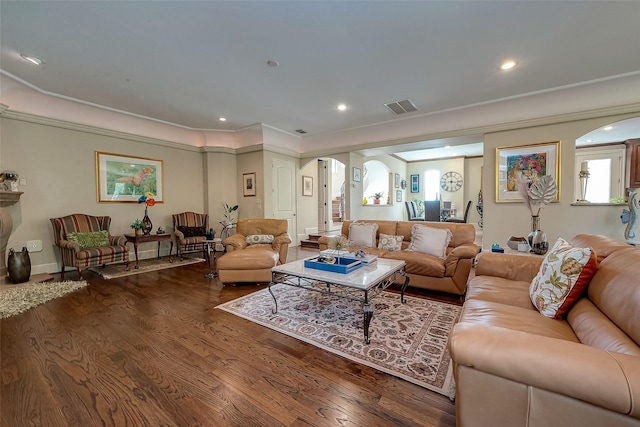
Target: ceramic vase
148,225
19,266
535,225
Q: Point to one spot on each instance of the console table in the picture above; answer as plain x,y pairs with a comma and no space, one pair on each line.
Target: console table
144,238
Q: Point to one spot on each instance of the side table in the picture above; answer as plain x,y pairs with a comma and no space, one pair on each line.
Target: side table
210,246
143,238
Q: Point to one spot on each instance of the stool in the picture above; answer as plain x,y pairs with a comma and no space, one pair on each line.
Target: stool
247,265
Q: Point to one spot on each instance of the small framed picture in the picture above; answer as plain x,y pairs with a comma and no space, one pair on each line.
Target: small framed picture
307,186
415,183
397,181
357,174
398,195
249,184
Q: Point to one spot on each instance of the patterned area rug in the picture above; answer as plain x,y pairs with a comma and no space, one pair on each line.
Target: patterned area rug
407,340
25,296
113,271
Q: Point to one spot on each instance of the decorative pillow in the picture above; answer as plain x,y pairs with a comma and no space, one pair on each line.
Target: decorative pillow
192,231
259,239
389,242
363,234
564,274
430,240
89,240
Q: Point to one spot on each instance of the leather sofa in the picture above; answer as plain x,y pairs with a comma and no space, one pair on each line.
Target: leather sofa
515,367
425,271
245,261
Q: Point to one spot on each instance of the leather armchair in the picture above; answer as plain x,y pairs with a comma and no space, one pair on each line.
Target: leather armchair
73,255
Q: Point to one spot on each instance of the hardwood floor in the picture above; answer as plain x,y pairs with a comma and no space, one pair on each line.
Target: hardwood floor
152,350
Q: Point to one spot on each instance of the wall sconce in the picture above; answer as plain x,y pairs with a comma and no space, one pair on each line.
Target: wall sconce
584,179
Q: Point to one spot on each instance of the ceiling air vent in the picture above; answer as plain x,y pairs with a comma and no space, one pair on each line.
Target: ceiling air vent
301,131
401,107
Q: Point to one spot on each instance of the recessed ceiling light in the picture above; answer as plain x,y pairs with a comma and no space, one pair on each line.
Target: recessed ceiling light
342,107
223,119
272,63
32,59
508,65
607,128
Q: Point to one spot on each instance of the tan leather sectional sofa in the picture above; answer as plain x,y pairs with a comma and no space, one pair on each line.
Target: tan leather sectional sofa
426,271
515,367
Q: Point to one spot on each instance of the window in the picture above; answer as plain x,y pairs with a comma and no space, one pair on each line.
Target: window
432,185
606,169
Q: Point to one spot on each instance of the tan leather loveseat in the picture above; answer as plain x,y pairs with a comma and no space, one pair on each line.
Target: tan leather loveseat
426,271
246,261
515,367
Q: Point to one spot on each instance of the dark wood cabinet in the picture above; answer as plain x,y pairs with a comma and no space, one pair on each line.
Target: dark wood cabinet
633,163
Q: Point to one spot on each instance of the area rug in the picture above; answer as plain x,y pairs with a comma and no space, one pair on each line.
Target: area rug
113,271
407,340
28,295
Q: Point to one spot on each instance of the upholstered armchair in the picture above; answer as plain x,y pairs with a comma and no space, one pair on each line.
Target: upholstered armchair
190,231
84,241
257,247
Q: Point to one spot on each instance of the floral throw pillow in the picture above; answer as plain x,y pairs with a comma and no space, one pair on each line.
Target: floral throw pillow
564,274
89,240
389,242
259,239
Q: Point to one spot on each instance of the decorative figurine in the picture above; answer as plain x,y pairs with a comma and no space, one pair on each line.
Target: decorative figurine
630,216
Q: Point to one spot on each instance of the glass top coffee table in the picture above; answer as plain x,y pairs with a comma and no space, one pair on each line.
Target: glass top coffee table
360,285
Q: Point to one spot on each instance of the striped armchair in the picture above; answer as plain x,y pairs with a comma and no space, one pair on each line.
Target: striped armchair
187,228
82,257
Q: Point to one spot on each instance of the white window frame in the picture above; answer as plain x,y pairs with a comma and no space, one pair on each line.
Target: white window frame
615,153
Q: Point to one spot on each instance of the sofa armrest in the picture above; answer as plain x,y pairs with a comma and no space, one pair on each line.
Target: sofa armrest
117,240
237,241
65,244
280,240
464,251
606,379
324,242
508,266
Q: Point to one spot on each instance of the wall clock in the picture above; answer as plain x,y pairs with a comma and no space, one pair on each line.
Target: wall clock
451,181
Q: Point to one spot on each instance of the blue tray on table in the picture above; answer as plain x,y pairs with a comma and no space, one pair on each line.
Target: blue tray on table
342,265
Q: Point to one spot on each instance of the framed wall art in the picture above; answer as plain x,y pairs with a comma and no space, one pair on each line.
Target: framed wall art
249,184
415,183
357,174
307,186
397,181
398,195
123,179
533,161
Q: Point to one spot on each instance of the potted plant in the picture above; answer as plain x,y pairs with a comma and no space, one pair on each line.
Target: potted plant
137,225
376,198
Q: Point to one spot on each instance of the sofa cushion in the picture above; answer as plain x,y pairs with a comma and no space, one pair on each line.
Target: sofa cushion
259,239
563,276
389,242
256,258
500,290
429,240
89,240
362,234
419,263
192,231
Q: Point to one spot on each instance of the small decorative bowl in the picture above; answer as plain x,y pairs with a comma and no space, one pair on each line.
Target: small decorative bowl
513,242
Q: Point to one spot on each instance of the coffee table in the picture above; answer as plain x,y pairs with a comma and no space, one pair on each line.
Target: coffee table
360,285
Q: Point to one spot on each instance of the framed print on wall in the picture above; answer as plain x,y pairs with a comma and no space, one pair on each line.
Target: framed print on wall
533,161
123,179
249,184
398,195
357,174
415,183
397,181
307,186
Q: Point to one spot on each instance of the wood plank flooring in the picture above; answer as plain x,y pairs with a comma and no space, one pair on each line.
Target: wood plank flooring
152,350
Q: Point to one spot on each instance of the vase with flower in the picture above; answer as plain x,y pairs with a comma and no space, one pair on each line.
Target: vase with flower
535,196
376,198
148,199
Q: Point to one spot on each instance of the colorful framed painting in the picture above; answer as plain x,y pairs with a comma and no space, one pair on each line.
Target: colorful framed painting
532,161
249,184
415,183
307,186
123,179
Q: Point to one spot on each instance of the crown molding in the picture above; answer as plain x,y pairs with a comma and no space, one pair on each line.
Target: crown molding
63,124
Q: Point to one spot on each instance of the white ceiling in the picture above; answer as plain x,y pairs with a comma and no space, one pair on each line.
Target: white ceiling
188,63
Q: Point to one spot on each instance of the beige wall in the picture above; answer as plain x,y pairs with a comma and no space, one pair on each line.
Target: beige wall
502,220
59,166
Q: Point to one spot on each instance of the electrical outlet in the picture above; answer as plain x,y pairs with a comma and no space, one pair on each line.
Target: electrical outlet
34,245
